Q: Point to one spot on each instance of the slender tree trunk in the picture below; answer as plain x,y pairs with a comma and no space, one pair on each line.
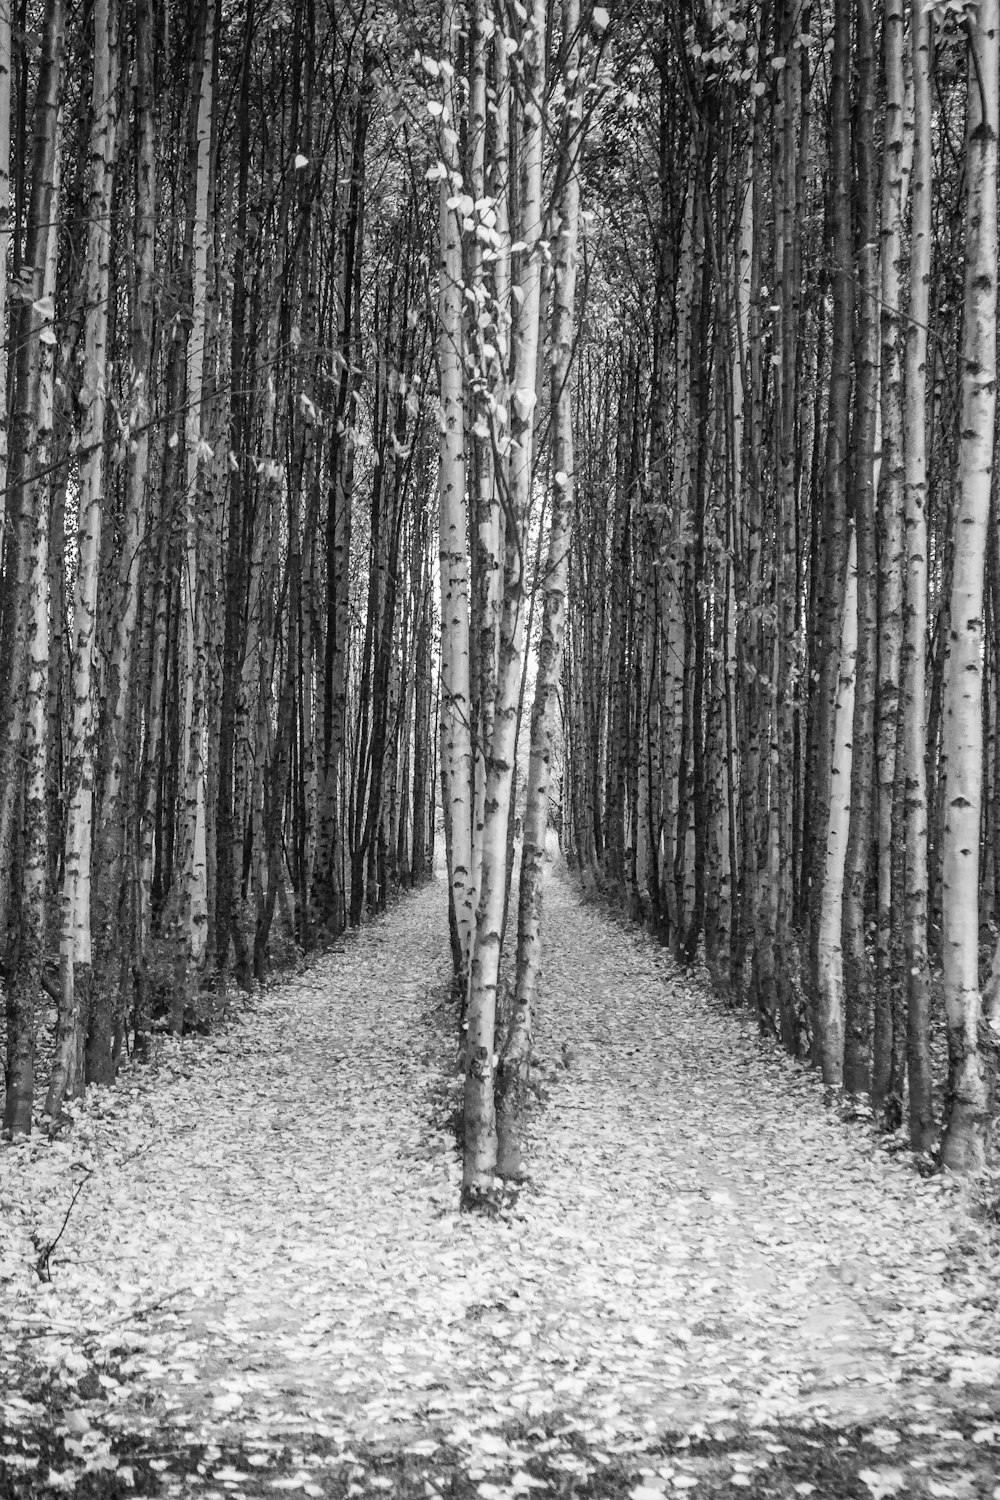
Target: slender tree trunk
970,1052
239,549
864,486
112,946
480,1113
193,934
456,735
67,1078
916,966
27,602
887,1081
515,1061
830,977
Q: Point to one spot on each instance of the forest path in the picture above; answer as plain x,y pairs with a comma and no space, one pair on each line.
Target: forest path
267,1250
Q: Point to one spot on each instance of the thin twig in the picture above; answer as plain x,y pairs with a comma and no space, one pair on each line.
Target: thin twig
42,1265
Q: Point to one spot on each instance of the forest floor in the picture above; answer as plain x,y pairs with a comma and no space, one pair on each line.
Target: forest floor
711,1284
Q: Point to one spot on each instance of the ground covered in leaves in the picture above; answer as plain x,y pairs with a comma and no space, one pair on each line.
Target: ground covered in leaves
711,1283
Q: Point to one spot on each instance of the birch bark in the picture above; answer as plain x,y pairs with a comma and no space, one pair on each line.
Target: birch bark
970,1054
830,967
833,620
515,1062
886,1079
456,726
67,1077
480,1114
921,1119
193,936
28,599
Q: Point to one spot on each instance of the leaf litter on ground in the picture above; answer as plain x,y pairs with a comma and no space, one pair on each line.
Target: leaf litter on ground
710,1280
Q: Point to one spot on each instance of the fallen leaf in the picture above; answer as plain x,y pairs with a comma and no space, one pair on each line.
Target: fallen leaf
882,1482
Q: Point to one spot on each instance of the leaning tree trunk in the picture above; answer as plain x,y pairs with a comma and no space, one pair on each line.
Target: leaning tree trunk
970,1054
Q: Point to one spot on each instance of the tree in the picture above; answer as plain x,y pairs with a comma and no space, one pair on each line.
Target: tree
25,604
480,1114
970,1053
915,957
76,964
515,1059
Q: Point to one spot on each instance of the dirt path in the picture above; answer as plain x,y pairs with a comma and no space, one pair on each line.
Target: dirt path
266,1268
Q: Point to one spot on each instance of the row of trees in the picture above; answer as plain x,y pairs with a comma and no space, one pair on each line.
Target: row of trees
218,601
783,682
301,295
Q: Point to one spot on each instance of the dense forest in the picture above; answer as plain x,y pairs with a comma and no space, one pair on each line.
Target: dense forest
454,423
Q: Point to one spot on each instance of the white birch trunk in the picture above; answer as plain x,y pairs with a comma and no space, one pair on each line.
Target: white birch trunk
969,1072
75,946
512,1080
32,591
831,957
194,936
921,1121
456,727
892,555
672,707
480,1113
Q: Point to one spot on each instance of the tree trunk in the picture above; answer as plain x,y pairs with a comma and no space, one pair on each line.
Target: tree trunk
480,1114
970,1053
887,1081
193,934
456,736
27,601
916,965
515,1061
75,950
830,975
864,486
